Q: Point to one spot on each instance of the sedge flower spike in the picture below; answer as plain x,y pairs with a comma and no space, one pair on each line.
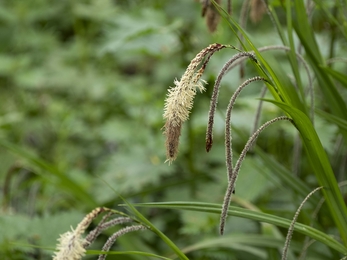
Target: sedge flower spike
180,98
71,243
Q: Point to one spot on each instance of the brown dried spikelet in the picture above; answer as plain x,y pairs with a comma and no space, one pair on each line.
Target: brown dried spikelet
258,9
180,99
172,133
205,4
212,17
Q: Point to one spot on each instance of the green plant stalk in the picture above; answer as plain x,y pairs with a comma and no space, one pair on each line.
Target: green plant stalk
254,215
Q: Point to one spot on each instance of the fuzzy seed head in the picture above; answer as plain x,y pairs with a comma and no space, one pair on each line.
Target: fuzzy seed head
180,99
71,244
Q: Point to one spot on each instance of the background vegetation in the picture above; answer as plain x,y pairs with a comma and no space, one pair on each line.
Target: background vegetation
82,94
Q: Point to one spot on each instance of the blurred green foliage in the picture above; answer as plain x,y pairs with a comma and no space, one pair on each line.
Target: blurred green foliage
82,92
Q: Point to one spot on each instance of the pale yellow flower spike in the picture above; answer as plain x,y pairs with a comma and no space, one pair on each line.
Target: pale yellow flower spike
180,98
71,243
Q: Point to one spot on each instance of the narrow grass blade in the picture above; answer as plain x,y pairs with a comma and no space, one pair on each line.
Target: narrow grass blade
97,252
258,216
235,241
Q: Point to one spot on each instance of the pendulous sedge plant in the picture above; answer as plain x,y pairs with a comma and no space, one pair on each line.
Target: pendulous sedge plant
180,101
178,105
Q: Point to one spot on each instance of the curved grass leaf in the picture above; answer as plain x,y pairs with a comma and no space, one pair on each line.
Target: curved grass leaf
258,216
97,252
238,242
235,243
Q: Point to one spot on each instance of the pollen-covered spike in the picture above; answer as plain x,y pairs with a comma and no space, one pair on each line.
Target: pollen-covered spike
180,98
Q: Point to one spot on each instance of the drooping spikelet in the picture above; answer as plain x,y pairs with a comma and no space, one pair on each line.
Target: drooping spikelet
180,98
212,17
258,9
71,243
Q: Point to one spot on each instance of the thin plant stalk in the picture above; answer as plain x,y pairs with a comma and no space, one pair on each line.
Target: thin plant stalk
214,98
231,183
90,238
291,227
259,108
307,241
228,136
112,239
